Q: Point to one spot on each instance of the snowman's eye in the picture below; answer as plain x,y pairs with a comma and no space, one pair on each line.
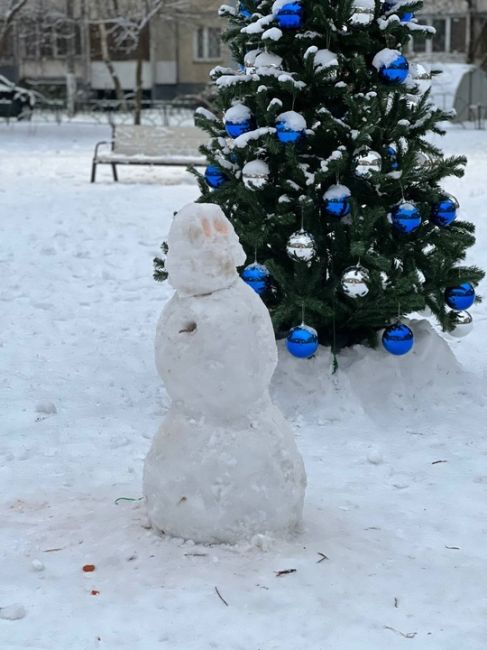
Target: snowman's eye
195,234
220,226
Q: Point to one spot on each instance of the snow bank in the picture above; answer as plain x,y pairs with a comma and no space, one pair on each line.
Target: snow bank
373,382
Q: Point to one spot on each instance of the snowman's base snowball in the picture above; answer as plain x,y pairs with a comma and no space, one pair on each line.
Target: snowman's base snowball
214,483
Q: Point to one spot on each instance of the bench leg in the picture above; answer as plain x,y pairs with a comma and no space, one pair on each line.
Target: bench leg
114,171
93,172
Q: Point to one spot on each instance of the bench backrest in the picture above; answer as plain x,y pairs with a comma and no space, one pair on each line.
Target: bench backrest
145,140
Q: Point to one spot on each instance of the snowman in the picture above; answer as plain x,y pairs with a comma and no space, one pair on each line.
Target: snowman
224,465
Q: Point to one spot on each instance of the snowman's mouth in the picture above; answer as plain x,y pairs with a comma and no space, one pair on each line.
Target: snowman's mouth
188,328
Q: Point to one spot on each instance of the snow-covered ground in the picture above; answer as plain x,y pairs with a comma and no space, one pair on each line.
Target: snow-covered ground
395,448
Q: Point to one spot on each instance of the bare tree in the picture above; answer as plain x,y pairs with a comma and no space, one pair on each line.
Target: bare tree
102,15
127,24
7,17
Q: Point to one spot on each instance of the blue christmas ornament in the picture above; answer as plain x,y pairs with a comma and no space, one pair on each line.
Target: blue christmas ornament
460,297
445,211
398,339
290,15
214,176
234,129
243,10
290,127
256,276
392,153
336,201
406,217
406,16
392,66
302,341
286,135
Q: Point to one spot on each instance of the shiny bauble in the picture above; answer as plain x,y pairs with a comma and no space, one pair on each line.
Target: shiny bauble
406,217
421,76
362,12
406,16
444,211
290,127
398,339
238,120
249,61
462,324
214,176
355,282
243,10
288,15
257,277
302,341
323,61
422,159
267,63
367,163
392,66
460,297
336,201
392,157
255,174
301,246
234,129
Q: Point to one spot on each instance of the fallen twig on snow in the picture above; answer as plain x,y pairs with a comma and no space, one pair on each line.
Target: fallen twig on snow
453,548
406,635
435,462
284,572
221,597
323,557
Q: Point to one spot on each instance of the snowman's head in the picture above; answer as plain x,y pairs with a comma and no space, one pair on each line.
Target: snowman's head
203,250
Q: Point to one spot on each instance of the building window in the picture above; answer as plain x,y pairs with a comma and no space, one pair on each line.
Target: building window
48,41
439,39
7,46
419,40
458,30
450,37
207,44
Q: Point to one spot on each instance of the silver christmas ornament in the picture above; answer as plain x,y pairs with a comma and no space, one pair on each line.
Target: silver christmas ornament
362,12
354,282
267,61
422,77
463,323
255,174
367,162
422,159
301,246
249,61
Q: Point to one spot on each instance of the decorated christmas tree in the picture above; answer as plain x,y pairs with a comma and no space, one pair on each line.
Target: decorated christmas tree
319,155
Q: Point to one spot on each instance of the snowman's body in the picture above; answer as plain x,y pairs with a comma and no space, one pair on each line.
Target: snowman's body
224,465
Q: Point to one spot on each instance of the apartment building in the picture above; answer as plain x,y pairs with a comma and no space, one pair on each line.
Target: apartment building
461,32
178,48
181,45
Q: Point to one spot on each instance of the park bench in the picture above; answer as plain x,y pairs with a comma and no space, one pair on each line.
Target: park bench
149,145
